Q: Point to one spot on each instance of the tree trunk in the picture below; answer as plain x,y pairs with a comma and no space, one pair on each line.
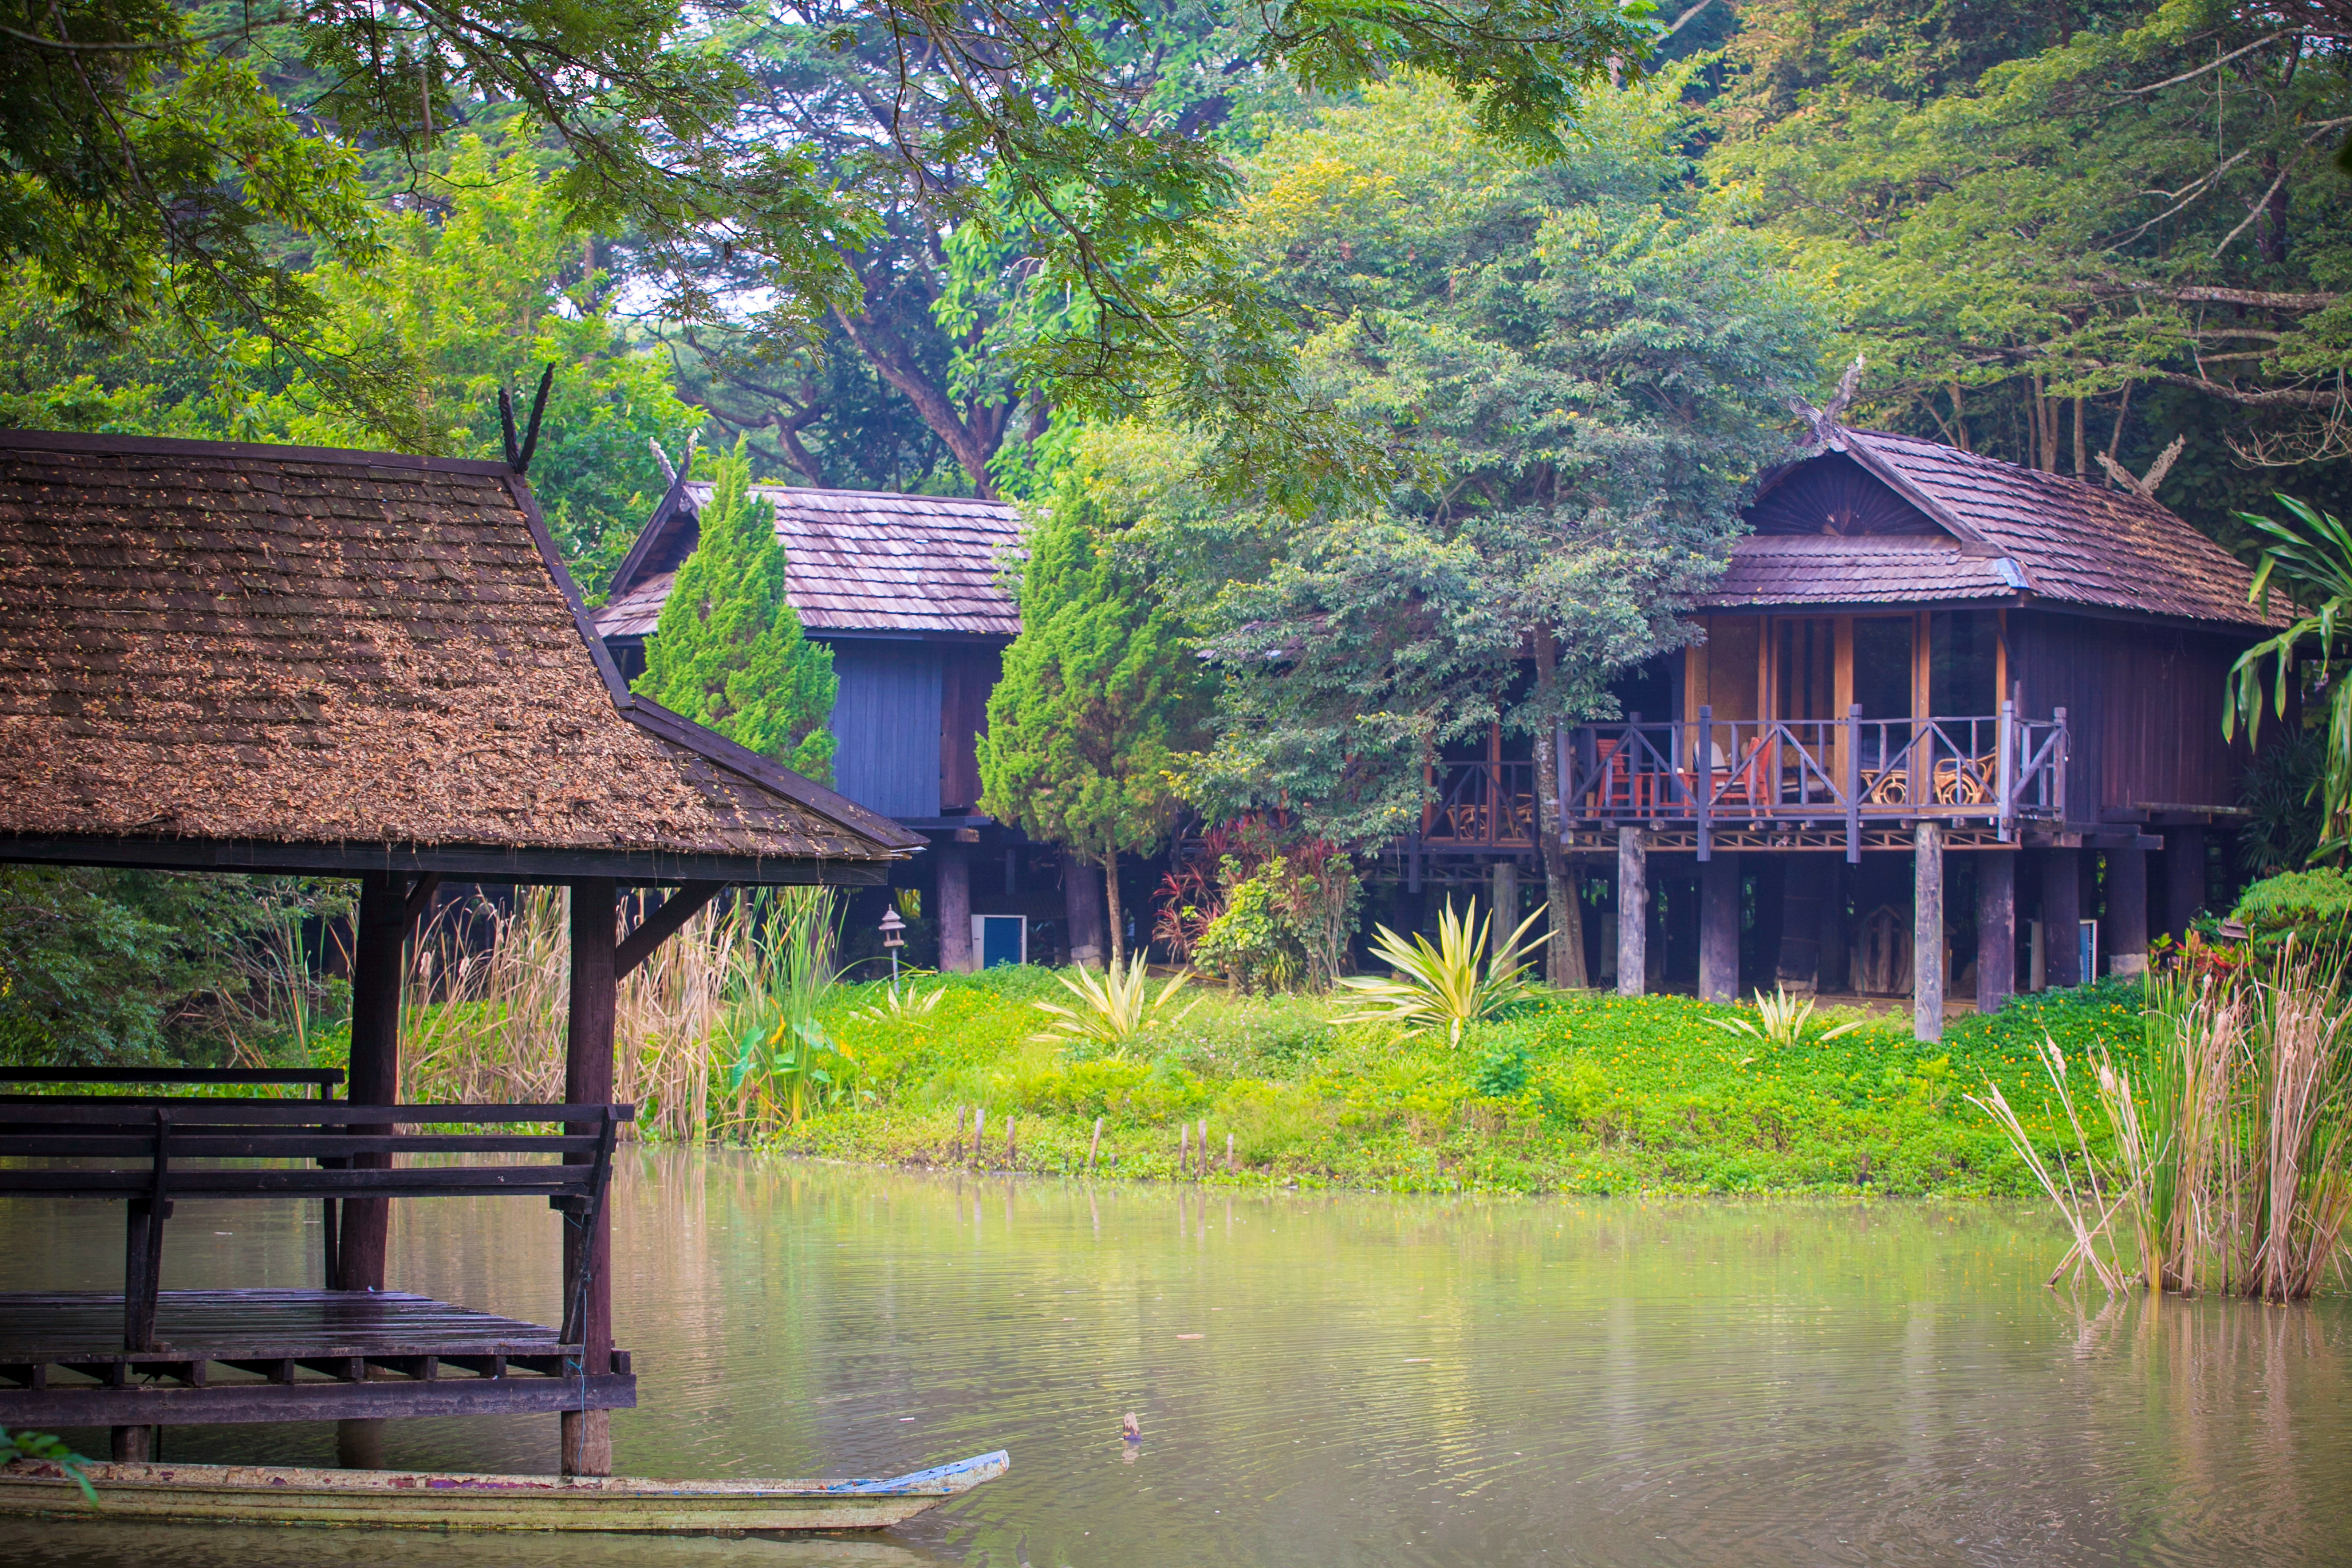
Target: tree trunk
1564,943
1111,902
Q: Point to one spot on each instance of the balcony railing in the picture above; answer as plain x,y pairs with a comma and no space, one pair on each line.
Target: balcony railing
1753,773
1481,805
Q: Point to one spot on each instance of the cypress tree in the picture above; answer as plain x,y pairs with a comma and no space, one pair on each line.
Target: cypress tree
729,651
1099,693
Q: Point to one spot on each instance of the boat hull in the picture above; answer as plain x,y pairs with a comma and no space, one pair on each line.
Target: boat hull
426,1499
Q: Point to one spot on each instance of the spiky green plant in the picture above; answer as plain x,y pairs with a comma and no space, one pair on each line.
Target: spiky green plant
1113,1009
1447,984
1782,1020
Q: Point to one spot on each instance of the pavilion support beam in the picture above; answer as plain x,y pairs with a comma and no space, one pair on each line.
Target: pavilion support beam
1804,891
2124,932
1996,930
662,924
1928,933
364,1230
1632,912
587,1434
954,906
2062,917
1718,928
2184,879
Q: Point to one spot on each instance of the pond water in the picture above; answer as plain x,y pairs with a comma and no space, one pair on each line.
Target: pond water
1337,1380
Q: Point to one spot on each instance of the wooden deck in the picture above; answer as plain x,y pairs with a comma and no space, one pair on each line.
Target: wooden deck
284,1355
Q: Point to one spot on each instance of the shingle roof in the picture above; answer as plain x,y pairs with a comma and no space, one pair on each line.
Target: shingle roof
855,561
2069,541
238,643
1828,569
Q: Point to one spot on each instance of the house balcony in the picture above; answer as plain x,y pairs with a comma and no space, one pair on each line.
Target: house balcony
1848,784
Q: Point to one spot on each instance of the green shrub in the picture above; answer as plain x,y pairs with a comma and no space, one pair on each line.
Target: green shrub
2311,904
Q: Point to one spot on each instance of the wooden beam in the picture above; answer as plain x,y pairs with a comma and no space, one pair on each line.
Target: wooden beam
662,924
1996,930
2124,930
382,934
420,899
1632,913
2062,917
1719,928
586,1435
238,1403
1928,933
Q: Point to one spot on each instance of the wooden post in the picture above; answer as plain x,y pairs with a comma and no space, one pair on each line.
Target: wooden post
1183,1149
954,904
2062,916
1996,929
365,1228
1204,1148
1230,1167
2184,879
382,931
2124,932
1095,1147
979,1130
587,1434
1928,933
1798,964
1719,928
1011,1149
1505,877
1632,913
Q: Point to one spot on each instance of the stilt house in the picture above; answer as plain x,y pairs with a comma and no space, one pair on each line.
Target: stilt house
907,591
1929,687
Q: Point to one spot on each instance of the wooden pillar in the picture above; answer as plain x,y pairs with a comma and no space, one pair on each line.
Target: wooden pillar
1718,928
587,1434
1082,892
1836,972
2062,916
1632,912
1928,933
1996,929
364,1232
954,905
2124,929
1504,875
1797,963
2184,879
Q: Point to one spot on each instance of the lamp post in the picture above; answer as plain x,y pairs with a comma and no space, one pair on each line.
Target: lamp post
891,926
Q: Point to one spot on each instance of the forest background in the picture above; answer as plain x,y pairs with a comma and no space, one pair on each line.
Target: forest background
1476,375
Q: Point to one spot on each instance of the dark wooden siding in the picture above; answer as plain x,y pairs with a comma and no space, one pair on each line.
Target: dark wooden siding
2144,706
971,673
886,725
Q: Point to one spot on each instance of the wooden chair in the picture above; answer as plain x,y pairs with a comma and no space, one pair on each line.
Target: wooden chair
1960,781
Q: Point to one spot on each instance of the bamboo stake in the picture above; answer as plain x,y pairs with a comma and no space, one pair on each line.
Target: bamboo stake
1095,1146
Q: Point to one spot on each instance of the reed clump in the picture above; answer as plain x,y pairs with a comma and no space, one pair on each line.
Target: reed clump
2220,1158
714,1035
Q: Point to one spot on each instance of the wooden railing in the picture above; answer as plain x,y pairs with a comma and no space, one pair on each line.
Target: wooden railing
1746,773
1481,805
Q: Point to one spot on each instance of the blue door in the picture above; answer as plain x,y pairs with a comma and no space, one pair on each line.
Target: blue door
1004,939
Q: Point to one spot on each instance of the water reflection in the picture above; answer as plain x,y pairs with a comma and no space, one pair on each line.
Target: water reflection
1354,1380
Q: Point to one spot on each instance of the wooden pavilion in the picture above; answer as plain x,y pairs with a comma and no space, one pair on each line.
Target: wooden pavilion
1919,650
227,658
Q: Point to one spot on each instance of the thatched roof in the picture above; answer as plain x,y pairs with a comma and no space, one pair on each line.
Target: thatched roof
231,655
1872,518
868,563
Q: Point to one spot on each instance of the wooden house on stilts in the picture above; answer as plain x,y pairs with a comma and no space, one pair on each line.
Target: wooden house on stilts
1925,673
271,659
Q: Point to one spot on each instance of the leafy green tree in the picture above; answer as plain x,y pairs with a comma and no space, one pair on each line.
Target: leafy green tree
729,651
2064,234
1575,374
1099,695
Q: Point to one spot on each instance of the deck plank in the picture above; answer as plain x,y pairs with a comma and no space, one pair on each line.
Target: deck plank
263,1325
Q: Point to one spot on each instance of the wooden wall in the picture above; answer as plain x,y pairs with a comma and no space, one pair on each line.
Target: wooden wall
972,672
2144,709
886,725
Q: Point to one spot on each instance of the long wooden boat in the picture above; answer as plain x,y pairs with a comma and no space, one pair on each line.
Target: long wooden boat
433,1499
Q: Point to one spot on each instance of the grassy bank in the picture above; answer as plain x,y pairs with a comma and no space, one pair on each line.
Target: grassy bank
1573,1092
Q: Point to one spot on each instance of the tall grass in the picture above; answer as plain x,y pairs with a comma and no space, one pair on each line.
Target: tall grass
695,1028
2227,1166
